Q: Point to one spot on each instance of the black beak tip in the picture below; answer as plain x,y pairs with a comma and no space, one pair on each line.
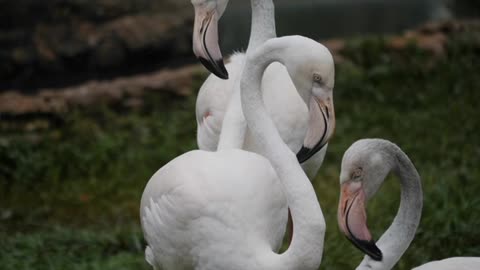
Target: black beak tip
304,154
373,251
223,70
368,247
217,67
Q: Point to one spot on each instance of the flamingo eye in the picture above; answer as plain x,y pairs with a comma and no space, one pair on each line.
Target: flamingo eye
357,174
317,78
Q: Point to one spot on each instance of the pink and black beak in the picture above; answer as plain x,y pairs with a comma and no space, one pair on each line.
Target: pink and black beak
352,219
321,126
205,41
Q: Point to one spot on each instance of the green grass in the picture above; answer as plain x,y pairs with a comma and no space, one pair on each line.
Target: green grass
69,194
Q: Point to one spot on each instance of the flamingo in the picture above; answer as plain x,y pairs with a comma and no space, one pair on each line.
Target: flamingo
228,209
220,121
454,263
364,168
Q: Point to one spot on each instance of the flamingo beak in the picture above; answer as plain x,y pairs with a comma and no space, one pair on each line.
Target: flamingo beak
352,219
320,128
205,41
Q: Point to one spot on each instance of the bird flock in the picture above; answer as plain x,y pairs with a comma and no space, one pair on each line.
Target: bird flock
264,121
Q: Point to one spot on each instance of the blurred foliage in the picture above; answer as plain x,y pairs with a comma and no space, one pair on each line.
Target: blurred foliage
428,108
80,249
84,161
69,195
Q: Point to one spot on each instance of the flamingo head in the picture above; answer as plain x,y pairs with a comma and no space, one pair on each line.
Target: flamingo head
205,35
364,168
313,73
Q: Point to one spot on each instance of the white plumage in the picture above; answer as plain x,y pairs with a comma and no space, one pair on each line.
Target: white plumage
455,263
282,101
208,208
228,209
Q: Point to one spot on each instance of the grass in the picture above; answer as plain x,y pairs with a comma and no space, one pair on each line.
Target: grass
69,194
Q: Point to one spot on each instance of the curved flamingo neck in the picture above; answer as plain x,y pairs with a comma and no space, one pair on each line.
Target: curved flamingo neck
305,251
395,241
263,23
262,29
234,126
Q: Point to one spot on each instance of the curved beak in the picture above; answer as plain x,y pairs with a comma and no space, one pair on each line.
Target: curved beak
352,219
205,41
321,125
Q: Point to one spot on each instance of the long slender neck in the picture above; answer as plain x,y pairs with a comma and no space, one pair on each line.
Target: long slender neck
262,29
234,126
400,234
263,23
305,251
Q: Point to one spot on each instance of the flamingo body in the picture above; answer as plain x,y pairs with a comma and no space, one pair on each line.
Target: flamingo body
198,218
454,263
212,102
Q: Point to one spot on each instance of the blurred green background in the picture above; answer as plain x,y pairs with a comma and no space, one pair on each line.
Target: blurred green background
71,178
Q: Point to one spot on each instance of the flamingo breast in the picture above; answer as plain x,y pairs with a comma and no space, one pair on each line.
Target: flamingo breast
199,210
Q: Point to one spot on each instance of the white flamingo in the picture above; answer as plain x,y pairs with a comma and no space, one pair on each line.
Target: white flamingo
364,168
228,209
219,127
